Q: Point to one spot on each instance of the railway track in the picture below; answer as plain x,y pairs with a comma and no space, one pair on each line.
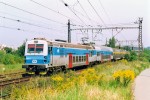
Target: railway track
14,81
5,81
2,76
10,75
5,96
9,82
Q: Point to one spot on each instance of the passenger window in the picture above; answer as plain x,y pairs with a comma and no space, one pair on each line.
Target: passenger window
74,59
79,58
83,58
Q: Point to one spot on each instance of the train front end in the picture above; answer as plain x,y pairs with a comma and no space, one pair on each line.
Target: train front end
37,58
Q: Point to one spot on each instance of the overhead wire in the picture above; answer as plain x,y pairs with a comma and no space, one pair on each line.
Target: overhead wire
84,11
28,23
18,29
96,13
83,15
105,12
119,24
23,18
72,11
57,12
31,13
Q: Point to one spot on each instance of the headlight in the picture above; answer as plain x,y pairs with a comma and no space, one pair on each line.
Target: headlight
45,57
45,61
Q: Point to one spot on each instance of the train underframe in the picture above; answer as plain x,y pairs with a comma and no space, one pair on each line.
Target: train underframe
42,70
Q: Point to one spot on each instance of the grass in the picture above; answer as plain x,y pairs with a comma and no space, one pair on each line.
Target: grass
10,68
96,83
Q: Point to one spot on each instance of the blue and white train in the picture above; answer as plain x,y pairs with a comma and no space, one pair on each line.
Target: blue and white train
42,56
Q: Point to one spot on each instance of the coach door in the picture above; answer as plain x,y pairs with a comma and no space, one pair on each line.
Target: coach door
102,57
87,59
70,60
109,57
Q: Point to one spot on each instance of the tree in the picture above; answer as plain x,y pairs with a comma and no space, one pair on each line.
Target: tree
21,50
127,48
112,42
8,50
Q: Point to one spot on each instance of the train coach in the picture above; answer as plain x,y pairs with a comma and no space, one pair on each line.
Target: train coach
42,56
119,54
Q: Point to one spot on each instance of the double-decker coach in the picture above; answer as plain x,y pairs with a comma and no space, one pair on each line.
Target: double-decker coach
42,56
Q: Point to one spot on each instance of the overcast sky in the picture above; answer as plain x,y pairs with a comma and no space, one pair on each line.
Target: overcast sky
51,22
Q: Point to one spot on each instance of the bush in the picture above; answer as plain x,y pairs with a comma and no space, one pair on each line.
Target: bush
123,77
10,58
2,53
127,57
132,56
145,55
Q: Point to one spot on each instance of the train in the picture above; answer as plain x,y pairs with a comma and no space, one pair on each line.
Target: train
45,57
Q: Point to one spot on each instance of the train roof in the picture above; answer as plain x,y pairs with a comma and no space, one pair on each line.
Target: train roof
104,48
117,50
70,45
65,44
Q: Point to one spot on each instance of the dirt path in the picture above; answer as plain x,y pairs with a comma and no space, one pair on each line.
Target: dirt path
142,86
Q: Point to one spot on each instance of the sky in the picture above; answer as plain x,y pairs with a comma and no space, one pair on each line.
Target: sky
27,19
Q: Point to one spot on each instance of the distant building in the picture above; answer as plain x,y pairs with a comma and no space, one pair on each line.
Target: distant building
2,46
148,48
129,47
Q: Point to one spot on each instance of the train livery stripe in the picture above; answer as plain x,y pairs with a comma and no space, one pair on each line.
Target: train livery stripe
70,60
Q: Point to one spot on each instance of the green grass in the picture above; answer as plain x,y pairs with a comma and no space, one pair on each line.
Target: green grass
96,83
10,68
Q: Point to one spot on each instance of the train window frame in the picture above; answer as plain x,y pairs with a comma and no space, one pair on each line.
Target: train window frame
29,48
39,48
77,59
84,58
80,59
74,59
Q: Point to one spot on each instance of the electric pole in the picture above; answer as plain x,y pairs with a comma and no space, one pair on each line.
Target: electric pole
69,32
140,44
140,35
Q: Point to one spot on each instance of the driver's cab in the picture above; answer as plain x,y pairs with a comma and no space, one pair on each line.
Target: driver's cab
36,47
36,52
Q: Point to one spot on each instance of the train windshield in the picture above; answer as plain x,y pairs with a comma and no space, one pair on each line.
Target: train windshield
35,48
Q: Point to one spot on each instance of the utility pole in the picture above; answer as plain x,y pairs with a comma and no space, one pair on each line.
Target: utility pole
140,35
140,44
69,32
